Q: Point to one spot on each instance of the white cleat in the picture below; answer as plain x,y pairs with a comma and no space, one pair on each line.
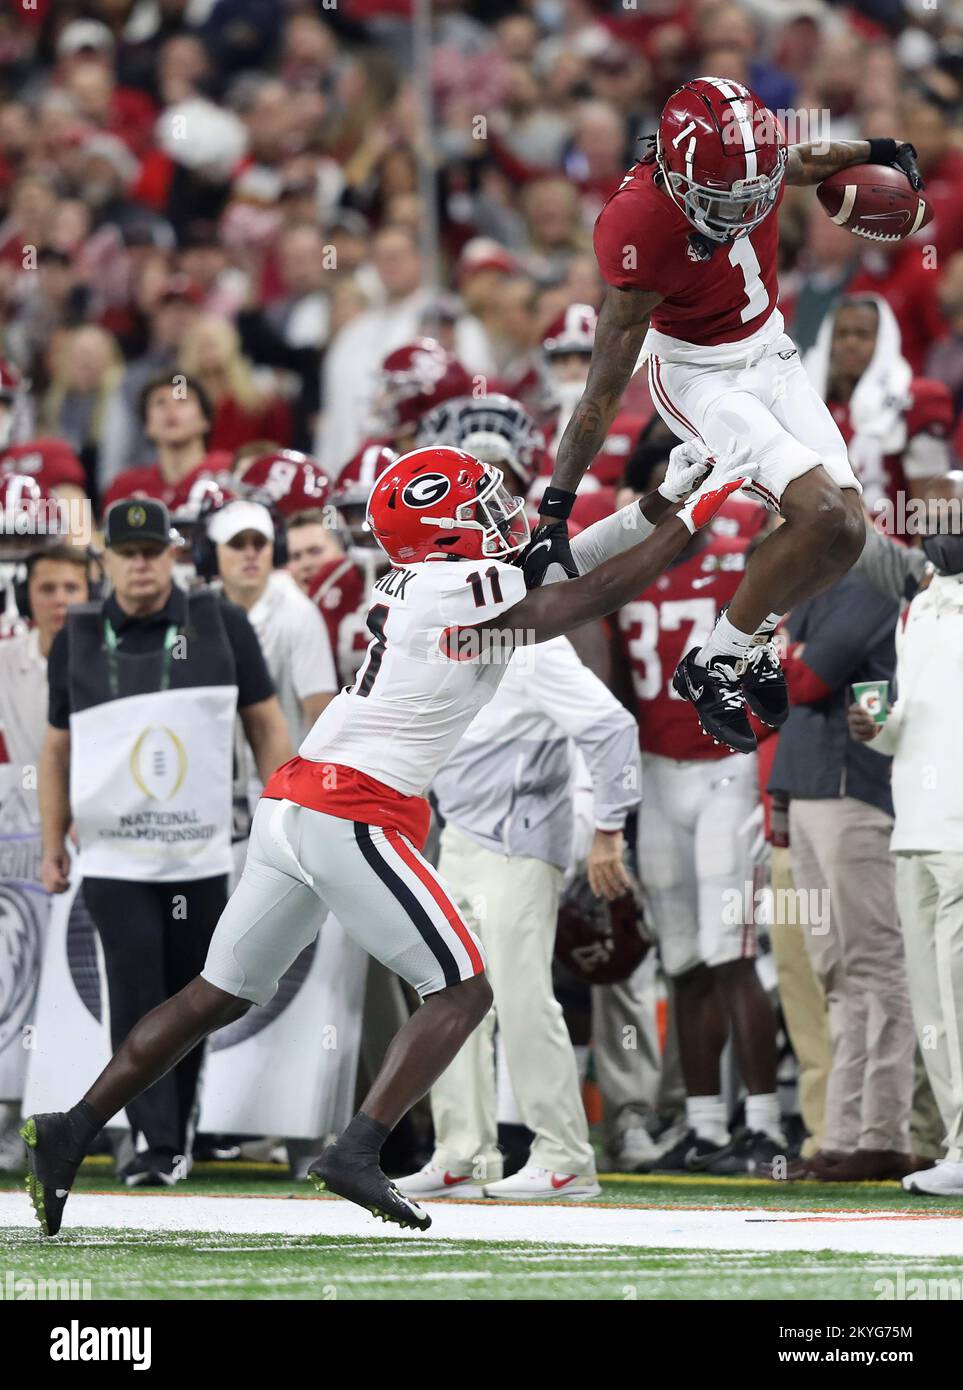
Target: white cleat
636,1148
532,1184
944,1179
434,1184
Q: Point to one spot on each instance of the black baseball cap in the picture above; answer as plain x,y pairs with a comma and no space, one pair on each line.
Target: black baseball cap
138,519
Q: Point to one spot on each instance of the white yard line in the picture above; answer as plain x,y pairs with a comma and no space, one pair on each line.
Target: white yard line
927,1234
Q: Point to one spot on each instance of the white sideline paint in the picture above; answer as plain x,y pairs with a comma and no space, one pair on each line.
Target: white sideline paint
931,1232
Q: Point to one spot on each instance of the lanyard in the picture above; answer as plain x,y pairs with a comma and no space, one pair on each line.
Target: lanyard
112,641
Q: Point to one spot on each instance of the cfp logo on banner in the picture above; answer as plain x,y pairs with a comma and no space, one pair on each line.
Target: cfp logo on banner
158,762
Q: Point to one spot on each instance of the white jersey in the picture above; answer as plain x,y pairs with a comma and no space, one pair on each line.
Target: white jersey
412,701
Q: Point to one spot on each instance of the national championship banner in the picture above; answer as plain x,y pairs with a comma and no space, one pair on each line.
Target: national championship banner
24,908
285,1069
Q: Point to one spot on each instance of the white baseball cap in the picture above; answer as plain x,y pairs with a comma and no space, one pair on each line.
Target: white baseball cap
236,517
84,33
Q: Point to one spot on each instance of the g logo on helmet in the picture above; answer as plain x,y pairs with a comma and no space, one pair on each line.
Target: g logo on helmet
136,516
426,490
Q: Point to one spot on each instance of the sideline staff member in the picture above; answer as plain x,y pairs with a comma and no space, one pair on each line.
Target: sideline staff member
144,688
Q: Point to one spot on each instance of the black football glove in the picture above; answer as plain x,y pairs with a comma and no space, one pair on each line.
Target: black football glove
900,156
549,546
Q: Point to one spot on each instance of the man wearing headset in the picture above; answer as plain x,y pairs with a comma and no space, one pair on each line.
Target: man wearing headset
143,692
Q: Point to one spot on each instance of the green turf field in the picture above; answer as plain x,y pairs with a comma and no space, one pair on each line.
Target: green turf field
217,1263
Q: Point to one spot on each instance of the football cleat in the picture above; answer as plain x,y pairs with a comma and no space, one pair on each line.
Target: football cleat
691,1154
367,1186
763,684
437,1183
718,698
52,1162
531,1184
155,1168
751,1153
634,1151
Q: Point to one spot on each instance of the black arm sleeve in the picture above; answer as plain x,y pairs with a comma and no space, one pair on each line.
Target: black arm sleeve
254,682
58,689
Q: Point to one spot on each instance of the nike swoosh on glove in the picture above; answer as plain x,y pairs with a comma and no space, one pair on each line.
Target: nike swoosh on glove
549,545
728,474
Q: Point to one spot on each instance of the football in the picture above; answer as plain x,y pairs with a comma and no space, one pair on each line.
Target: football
874,201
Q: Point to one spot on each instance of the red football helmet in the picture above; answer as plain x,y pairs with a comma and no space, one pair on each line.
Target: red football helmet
200,492
28,512
600,942
291,482
440,502
573,331
722,155
353,488
414,378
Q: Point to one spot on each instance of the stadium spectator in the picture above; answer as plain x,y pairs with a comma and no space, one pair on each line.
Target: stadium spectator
211,353
895,424
176,417
87,370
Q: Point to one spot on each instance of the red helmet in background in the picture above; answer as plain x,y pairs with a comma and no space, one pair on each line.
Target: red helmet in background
722,155
353,488
13,394
571,332
200,493
291,482
440,502
416,377
600,942
29,513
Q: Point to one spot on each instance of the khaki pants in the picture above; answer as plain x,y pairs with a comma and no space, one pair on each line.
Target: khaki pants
930,895
512,904
803,1007
840,857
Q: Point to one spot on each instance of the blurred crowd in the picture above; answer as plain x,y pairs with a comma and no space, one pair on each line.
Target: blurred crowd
247,246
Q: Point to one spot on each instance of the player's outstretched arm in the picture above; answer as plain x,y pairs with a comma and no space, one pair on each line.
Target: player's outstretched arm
813,162
555,609
622,326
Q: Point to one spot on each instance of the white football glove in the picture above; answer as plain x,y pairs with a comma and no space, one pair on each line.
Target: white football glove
730,470
688,465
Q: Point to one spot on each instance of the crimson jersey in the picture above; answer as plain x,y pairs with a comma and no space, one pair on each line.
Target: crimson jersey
642,243
675,613
52,462
338,589
926,453
150,482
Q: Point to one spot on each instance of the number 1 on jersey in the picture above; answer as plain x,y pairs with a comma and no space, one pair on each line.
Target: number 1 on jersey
743,257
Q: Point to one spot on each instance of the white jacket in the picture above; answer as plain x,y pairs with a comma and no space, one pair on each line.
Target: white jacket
923,731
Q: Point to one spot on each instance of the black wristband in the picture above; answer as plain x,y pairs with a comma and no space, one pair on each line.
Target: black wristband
556,504
883,151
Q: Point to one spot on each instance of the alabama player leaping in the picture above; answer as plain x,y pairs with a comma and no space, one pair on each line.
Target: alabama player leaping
340,826
687,247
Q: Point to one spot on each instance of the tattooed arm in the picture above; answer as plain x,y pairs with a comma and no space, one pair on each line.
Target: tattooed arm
811,163
808,164
623,322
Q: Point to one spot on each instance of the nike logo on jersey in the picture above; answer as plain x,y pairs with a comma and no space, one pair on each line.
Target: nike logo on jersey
790,352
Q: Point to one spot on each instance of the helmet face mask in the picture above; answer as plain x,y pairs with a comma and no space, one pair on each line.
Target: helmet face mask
722,157
494,429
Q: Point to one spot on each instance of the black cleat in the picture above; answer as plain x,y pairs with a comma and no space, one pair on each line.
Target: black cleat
751,1153
52,1162
692,1154
717,695
364,1183
764,684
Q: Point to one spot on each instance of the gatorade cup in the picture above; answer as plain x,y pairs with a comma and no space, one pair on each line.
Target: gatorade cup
873,697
